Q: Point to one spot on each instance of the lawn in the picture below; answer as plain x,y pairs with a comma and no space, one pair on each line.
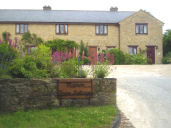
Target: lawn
64,117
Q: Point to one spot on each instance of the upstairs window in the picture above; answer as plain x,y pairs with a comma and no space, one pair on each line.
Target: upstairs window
101,29
141,28
132,50
61,29
21,28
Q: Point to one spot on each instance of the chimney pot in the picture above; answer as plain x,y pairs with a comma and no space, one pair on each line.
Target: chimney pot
46,8
114,9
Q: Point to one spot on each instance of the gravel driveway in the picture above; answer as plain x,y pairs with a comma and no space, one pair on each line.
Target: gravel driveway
144,94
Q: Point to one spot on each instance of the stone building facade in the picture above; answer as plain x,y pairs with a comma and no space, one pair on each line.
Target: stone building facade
121,30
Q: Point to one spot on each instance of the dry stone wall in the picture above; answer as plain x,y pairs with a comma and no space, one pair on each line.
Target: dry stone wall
22,94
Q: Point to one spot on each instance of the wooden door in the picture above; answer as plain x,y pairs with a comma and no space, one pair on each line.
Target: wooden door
151,54
92,52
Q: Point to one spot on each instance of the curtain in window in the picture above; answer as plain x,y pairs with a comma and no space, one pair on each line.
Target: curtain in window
137,28
145,28
25,28
97,29
101,29
57,28
141,28
66,28
105,29
134,50
130,50
17,28
21,28
62,29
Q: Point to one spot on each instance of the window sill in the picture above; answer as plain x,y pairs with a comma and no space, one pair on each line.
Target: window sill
141,33
20,33
101,34
61,33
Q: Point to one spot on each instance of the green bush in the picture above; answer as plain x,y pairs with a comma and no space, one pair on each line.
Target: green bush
36,65
7,53
100,71
82,74
61,45
119,56
69,69
86,61
135,59
167,58
29,38
27,68
4,34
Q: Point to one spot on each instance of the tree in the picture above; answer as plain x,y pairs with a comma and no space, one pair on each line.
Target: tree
167,42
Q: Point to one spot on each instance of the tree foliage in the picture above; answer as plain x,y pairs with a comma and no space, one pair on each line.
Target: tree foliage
167,42
61,45
32,39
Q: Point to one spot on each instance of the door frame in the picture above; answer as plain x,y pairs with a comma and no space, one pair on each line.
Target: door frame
96,51
148,46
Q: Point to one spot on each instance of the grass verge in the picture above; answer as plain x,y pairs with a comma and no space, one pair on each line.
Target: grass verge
64,117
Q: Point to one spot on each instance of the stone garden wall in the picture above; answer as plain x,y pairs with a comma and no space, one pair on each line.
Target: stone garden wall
22,94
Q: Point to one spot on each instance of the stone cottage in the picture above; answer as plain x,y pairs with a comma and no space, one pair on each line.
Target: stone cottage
130,31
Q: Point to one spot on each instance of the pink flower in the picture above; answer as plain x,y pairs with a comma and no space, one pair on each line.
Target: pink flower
102,57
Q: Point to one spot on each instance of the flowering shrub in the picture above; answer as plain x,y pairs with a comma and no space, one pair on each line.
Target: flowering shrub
119,56
71,69
8,53
106,58
59,57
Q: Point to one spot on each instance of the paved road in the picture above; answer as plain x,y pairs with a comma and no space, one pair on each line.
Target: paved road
144,94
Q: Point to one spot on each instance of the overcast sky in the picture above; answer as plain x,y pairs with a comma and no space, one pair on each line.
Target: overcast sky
161,9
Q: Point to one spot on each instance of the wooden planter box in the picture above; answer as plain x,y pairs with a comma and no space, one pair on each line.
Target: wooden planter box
74,89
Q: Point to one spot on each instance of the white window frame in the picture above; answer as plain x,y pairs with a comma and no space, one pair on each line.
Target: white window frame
101,29
64,31
132,50
20,30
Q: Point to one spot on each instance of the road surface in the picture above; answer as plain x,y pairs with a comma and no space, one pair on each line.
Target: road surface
144,94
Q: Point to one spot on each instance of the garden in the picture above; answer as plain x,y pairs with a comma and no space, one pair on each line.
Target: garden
30,61
31,57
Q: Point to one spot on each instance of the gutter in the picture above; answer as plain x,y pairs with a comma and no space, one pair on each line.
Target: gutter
119,36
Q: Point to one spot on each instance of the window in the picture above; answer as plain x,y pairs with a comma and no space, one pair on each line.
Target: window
21,28
61,29
30,48
141,28
132,50
109,47
101,29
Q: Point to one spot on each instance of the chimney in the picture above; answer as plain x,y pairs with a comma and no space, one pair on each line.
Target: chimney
46,8
113,9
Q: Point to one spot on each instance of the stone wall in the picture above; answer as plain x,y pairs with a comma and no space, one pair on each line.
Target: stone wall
23,94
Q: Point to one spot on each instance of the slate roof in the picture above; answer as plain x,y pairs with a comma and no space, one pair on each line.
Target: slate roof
66,16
